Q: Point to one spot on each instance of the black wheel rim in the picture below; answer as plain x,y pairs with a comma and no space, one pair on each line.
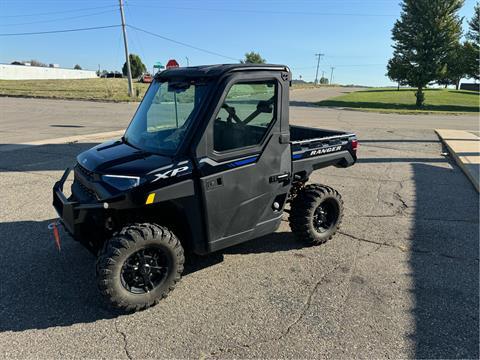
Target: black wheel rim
145,270
325,216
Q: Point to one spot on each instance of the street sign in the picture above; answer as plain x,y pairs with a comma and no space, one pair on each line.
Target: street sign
158,65
172,63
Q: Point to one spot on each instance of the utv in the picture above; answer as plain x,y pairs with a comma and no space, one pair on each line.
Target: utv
208,161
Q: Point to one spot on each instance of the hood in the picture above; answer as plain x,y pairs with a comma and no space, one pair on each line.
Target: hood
119,158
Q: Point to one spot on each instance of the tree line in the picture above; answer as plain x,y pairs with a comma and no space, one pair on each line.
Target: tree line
428,45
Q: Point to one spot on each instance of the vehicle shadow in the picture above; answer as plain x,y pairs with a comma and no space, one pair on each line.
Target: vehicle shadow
272,243
41,287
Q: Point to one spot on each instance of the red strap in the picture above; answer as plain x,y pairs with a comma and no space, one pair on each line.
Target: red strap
56,235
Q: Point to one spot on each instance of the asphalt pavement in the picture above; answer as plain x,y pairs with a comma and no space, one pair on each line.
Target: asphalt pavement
400,279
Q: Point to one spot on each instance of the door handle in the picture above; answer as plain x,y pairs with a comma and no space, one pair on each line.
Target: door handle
280,177
214,183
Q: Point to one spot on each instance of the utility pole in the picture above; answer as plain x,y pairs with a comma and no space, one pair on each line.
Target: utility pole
127,57
188,61
331,75
318,64
323,75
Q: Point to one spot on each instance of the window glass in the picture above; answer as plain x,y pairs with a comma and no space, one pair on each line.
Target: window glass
245,115
163,117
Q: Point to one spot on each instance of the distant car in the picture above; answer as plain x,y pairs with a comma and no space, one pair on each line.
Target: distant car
146,78
112,74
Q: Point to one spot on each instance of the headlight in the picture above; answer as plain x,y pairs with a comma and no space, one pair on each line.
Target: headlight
121,182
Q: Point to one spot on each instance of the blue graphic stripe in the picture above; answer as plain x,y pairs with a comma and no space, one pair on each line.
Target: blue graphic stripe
243,162
297,156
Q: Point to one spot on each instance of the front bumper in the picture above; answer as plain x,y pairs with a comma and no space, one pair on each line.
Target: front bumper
72,213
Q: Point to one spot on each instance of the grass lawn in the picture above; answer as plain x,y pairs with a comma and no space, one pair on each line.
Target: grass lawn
84,89
403,101
310,86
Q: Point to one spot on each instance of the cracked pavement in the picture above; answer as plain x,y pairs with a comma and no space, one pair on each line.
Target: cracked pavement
399,280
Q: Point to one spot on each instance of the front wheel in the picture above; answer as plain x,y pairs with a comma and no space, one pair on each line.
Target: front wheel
139,266
316,213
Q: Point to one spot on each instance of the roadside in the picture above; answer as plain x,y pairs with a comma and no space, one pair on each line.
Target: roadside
437,101
103,90
27,120
309,96
110,90
388,100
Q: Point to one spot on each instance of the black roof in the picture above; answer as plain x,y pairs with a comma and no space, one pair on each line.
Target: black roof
217,70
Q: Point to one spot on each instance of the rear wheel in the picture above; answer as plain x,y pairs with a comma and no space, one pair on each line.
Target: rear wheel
139,266
316,213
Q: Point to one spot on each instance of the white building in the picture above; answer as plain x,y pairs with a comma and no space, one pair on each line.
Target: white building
22,72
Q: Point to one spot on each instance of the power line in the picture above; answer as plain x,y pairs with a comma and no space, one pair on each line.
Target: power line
60,31
182,43
344,65
59,19
353,65
269,11
140,47
353,56
58,12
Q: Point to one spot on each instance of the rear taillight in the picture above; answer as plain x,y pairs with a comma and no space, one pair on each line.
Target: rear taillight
354,144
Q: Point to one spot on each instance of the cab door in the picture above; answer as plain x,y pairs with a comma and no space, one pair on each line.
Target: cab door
245,175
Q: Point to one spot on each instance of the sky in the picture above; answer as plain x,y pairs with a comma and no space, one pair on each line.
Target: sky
353,35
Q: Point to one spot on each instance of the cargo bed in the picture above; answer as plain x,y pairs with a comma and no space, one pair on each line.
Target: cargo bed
314,149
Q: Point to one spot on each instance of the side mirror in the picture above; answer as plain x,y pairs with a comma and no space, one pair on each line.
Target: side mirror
265,106
178,87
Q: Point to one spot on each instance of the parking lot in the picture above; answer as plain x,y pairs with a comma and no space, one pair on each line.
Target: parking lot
399,280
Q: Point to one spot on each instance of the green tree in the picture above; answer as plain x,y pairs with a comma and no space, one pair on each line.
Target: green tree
136,66
473,33
473,44
77,67
456,66
323,81
424,36
34,62
253,58
397,71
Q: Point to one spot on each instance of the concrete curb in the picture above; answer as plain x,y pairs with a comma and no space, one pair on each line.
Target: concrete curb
464,146
98,137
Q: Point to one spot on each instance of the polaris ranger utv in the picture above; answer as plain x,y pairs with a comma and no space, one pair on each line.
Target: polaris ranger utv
208,161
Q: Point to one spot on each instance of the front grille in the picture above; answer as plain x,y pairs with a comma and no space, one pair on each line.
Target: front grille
86,173
82,178
89,192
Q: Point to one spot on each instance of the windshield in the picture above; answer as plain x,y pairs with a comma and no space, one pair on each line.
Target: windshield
165,114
